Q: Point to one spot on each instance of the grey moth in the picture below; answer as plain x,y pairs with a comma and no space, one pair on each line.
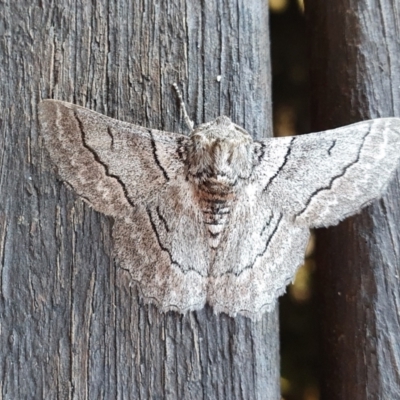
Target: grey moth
216,217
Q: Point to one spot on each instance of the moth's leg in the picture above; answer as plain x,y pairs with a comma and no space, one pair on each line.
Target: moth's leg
188,121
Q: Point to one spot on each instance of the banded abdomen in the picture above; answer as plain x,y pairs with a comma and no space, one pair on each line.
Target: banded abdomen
216,213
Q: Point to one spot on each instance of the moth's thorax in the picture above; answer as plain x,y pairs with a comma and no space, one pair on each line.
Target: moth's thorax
218,155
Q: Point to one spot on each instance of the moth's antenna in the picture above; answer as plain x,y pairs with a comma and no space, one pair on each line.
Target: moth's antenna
188,121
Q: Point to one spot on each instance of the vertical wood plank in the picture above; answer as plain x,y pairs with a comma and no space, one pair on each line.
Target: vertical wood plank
355,75
71,325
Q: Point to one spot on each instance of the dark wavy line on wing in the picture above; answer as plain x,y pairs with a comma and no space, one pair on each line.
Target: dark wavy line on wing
98,160
285,160
250,266
334,178
156,159
163,248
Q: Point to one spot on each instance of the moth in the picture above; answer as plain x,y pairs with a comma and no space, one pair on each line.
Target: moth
216,217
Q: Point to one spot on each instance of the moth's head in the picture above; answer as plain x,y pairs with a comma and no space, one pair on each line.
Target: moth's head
219,155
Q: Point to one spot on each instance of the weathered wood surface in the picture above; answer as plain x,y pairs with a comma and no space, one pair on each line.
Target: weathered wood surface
71,325
355,75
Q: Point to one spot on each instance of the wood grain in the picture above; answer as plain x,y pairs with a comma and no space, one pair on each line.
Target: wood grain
71,326
355,75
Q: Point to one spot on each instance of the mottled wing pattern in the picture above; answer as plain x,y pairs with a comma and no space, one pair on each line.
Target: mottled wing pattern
166,255
320,178
136,175
257,257
297,182
110,163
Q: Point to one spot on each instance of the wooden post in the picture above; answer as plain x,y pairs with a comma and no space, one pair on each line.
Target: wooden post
355,75
72,326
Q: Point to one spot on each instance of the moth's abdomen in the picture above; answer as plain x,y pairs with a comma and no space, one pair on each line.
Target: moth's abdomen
216,214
